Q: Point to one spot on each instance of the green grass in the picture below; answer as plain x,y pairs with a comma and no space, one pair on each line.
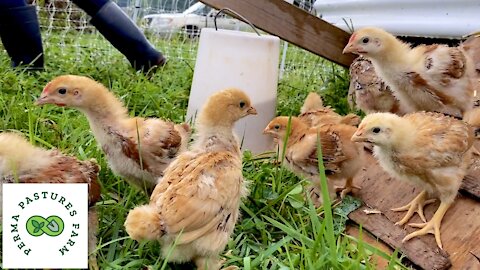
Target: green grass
279,229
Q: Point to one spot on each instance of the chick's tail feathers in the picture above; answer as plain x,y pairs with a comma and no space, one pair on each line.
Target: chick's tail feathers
144,223
313,102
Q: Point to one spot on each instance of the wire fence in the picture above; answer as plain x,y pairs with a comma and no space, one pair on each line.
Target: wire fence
172,26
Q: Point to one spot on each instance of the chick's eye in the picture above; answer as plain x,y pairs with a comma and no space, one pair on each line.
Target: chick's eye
242,104
276,127
376,130
62,91
365,40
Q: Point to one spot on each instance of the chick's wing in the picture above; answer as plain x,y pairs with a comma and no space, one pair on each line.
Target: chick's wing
440,141
304,152
198,192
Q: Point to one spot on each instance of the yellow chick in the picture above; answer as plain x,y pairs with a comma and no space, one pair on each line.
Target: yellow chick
21,162
341,157
314,114
433,78
428,149
138,149
197,204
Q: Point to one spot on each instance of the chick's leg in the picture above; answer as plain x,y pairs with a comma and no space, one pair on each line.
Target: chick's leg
433,226
349,186
416,205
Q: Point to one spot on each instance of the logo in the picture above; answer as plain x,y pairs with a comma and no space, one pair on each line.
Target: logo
45,226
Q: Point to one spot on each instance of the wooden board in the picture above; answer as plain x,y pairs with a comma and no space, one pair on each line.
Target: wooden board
294,25
460,227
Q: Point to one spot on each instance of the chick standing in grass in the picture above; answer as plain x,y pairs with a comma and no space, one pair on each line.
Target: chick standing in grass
429,149
434,78
196,205
313,113
341,157
138,149
21,162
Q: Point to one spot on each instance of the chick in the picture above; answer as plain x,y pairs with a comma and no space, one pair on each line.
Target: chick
433,78
313,113
138,149
429,149
368,92
196,205
341,157
21,162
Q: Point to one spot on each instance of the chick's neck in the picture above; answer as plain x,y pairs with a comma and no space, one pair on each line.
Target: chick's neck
104,107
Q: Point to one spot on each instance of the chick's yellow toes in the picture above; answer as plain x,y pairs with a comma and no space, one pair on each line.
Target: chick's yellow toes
433,226
416,205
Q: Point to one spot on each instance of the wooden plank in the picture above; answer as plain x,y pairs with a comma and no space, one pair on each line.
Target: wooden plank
417,251
460,227
294,25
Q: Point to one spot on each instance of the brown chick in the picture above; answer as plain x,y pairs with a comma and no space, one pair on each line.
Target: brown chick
196,205
433,78
313,113
21,162
138,149
429,149
368,92
341,157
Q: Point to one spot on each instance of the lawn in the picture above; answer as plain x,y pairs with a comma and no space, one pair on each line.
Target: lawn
278,228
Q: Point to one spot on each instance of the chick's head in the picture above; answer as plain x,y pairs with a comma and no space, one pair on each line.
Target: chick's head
71,91
378,129
280,126
369,41
226,107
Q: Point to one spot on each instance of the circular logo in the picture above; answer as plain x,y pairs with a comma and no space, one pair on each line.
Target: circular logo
51,226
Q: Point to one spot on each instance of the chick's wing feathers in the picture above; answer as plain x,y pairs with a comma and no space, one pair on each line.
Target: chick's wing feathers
159,141
305,153
192,192
435,145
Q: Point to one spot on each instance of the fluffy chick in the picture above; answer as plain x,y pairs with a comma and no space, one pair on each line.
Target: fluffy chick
341,157
313,113
368,92
429,149
433,78
21,162
138,149
197,204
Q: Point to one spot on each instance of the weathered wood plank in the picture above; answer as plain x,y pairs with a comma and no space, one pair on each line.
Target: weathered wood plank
460,227
417,251
471,183
294,25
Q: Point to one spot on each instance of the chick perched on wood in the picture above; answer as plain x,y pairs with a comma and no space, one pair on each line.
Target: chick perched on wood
429,149
138,149
21,162
341,157
433,78
313,113
198,200
368,92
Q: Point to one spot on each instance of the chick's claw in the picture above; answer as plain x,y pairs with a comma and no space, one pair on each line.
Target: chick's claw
416,205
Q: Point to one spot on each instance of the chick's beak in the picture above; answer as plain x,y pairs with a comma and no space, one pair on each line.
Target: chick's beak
350,48
359,137
252,111
267,131
43,99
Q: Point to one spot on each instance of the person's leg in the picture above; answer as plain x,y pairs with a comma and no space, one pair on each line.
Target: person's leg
122,33
20,33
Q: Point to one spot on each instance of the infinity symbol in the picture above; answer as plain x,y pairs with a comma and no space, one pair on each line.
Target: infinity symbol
51,226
